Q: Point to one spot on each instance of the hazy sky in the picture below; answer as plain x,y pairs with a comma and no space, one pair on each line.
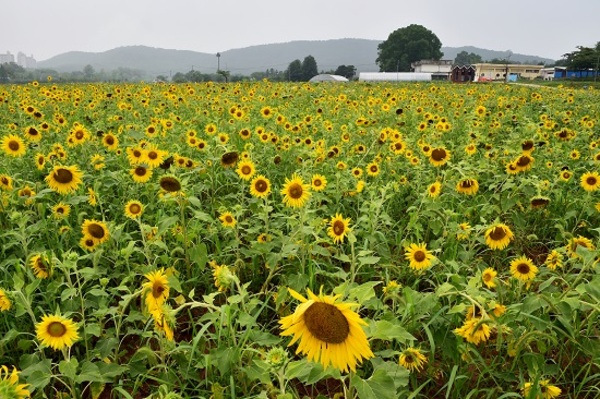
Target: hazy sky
45,28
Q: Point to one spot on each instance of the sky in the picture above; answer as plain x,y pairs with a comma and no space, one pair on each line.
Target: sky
44,28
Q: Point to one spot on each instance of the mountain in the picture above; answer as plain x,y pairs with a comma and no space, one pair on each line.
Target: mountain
329,54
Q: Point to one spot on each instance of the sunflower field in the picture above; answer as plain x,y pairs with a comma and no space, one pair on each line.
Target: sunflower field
279,240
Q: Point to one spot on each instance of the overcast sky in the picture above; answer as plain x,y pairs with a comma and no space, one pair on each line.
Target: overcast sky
45,28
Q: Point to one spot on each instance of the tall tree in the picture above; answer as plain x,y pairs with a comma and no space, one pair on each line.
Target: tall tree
309,68
294,71
407,45
583,58
465,58
347,71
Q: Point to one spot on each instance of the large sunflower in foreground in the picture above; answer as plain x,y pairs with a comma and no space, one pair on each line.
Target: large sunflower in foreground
9,385
328,332
56,331
295,192
338,228
590,181
498,236
64,179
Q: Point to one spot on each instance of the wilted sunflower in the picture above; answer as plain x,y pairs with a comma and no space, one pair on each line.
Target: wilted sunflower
229,159
545,390
61,211
434,190
474,330
412,359
170,184
488,276
56,331
64,179
418,256
338,228
157,290
96,230
246,169
577,242
554,260
260,187
5,303
329,332
498,236
439,156
539,202
467,186
134,209
41,266
13,145
318,182
590,181
227,219
523,269
9,385
295,192
464,231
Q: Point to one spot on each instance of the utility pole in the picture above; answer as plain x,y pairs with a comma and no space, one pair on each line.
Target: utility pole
218,62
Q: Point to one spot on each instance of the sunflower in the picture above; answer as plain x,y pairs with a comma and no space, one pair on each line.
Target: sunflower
95,230
260,187
565,175
578,242
164,321
474,330
32,134
488,276
135,155
295,192
498,236
418,256
471,149
434,189
439,156
338,228
227,219
318,182
9,385
539,202
110,141
88,244
64,179
467,186
524,162
170,184
464,231
412,359
134,209
61,211
545,390
229,159
56,331
329,332
154,157
13,145
511,168
41,266
140,174
6,182
263,238
223,276
523,269
157,290
246,169
554,260
590,181
5,303
373,169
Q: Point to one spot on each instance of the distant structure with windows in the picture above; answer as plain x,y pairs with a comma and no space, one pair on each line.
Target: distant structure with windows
7,58
439,69
25,61
486,72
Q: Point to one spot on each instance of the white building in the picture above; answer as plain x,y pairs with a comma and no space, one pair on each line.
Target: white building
7,58
394,77
439,68
25,61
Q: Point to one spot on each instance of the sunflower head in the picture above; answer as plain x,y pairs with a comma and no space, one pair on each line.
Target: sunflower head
9,385
57,332
170,184
134,209
260,186
295,192
95,230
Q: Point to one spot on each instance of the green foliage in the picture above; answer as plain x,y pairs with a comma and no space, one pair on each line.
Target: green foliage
407,45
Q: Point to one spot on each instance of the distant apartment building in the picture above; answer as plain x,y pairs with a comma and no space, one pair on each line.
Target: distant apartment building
439,69
7,58
25,61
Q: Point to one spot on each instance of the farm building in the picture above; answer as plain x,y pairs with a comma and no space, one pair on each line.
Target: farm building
488,72
563,72
394,76
325,77
462,73
439,69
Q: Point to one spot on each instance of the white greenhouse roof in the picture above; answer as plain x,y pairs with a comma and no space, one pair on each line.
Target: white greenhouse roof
394,76
325,77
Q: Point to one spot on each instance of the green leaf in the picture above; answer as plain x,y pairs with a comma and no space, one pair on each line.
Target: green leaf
368,260
364,292
379,386
387,331
68,368
397,373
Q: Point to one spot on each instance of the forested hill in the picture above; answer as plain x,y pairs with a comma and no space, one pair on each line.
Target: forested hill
329,54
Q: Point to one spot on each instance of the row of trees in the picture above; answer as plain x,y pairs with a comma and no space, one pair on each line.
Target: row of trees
13,73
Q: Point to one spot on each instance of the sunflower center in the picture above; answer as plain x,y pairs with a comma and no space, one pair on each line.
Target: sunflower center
60,210
228,219
419,256
109,140
56,329
63,176
137,153
89,243
96,230
135,209
246,170
33,132
497,233
170,184
524,161
14,145
373,168
439,154
140,171
157,290
523,268
153,155
327,323
4,180
317,182
591,180
295,191
261,186
79,135
339,227
466,183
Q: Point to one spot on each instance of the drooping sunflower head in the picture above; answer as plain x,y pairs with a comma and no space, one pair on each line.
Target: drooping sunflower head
64,179
579,242
260,187
329,332
295,192
5,303
170,184
41,266
538,202
57,332
467,186
229,159
96,230
9,385
412,359
134,209
157,289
